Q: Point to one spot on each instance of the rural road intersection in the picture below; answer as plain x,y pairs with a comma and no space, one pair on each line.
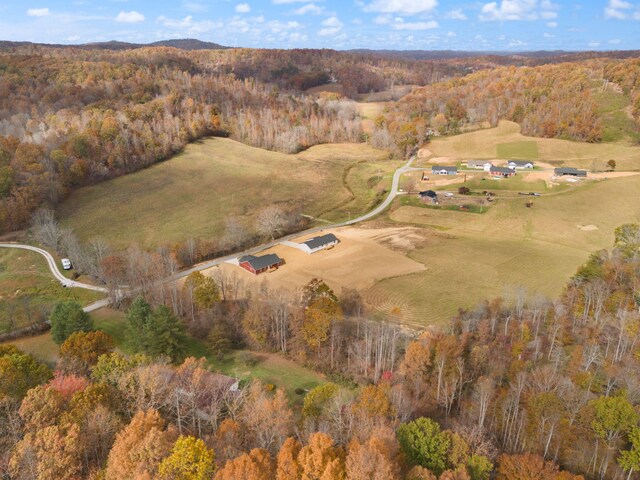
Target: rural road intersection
218,261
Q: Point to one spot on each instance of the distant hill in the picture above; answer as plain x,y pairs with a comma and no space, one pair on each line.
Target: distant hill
181,43
545,55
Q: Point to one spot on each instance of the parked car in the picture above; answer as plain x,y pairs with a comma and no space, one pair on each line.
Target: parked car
66,264
448,194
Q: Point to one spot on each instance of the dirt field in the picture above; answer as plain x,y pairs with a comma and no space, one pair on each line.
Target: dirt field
483,144
191,194
363,257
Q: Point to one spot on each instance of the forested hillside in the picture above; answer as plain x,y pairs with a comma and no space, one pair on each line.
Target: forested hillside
553,101
514,390
69,117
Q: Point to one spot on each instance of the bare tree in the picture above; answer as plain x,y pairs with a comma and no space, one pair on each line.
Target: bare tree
271,221
45,228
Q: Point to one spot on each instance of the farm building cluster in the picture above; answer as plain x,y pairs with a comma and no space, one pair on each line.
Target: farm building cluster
267,263
486,165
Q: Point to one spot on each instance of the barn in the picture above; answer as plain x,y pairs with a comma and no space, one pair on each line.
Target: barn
322,242
569,171
257,265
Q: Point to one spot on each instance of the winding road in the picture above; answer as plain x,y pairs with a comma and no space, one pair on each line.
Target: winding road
53,266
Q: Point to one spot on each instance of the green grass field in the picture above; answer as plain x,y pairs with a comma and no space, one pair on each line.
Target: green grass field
470,258
520,150
191,194
28,290
482,144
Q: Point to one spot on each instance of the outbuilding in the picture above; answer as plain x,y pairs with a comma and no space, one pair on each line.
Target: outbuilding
569,171
480,164
257,265
322,242
439,170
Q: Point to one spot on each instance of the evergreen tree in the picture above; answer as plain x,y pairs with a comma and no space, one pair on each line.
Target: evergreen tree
165,335
67,318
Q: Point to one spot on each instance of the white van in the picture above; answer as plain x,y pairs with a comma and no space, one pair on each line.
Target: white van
66,264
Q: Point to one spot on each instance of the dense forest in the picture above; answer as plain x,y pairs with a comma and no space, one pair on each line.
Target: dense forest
518,388
553,101
69,117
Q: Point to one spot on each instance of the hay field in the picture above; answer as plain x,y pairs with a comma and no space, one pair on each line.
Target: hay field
469,258
483,144
191,194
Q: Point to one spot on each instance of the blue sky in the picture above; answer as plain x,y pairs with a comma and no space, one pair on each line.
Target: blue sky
378,24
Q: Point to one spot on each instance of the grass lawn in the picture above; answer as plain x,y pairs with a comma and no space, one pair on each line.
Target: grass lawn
28,290
521,150
470,258
191,194
482,144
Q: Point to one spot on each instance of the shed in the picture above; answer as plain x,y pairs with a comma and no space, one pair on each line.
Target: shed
322,242
440,170
570,171
429,194
257,265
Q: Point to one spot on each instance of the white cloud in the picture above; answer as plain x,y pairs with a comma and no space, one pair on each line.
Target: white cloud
382,20
518,10
401,6
130,17
332,25
188,25
593,44
38,12
280,2
614,41
451,34
243,8
176,23
552,24
509,10
619,10
456,14
310,8
548,35
401,25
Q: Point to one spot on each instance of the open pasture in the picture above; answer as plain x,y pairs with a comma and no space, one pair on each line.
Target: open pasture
483,144
469,258
191,194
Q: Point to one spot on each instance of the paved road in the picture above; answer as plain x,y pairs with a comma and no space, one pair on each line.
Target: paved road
212,263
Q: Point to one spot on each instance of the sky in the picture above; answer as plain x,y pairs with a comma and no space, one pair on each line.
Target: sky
500,25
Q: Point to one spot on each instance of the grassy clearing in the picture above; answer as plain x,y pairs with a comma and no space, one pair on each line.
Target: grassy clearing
482,144
191,194
28,290
618,124
521,150
470,258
